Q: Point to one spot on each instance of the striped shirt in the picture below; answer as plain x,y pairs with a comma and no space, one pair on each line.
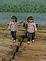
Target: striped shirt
12,26
31,27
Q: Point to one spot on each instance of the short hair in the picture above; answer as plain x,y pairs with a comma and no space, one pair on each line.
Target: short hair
29,18
14,17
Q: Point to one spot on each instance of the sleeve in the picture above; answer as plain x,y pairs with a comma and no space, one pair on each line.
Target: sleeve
35,27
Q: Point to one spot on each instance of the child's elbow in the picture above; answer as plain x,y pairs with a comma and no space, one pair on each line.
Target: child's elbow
36,30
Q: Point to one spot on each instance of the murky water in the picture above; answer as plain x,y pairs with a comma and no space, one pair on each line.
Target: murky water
38,18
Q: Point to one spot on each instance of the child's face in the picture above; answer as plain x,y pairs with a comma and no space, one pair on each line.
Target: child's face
13,20
30,21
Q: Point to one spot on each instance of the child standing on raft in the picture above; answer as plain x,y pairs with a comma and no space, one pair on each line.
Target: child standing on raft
31,29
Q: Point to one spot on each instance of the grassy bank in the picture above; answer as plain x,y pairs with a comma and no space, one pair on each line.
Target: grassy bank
29,53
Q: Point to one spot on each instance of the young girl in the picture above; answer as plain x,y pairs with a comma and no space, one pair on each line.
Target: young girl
13,27
31,29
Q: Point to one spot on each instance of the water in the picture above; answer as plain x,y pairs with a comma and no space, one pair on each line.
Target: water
5,17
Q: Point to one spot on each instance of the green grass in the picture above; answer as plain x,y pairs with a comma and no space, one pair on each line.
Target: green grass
33,7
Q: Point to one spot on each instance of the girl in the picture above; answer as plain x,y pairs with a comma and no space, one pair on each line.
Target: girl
31,29
13,27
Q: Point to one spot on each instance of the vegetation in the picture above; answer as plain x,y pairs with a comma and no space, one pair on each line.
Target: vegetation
34,7
35,51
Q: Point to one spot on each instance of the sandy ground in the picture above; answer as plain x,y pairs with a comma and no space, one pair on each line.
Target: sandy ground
34,52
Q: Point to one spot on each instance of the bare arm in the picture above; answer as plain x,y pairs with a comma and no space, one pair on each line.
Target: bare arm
9,26
35,27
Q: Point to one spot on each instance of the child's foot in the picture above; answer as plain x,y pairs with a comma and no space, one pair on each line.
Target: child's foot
14,41
32,41
28,42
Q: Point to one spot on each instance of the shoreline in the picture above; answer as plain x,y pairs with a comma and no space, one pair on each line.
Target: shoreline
7,47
